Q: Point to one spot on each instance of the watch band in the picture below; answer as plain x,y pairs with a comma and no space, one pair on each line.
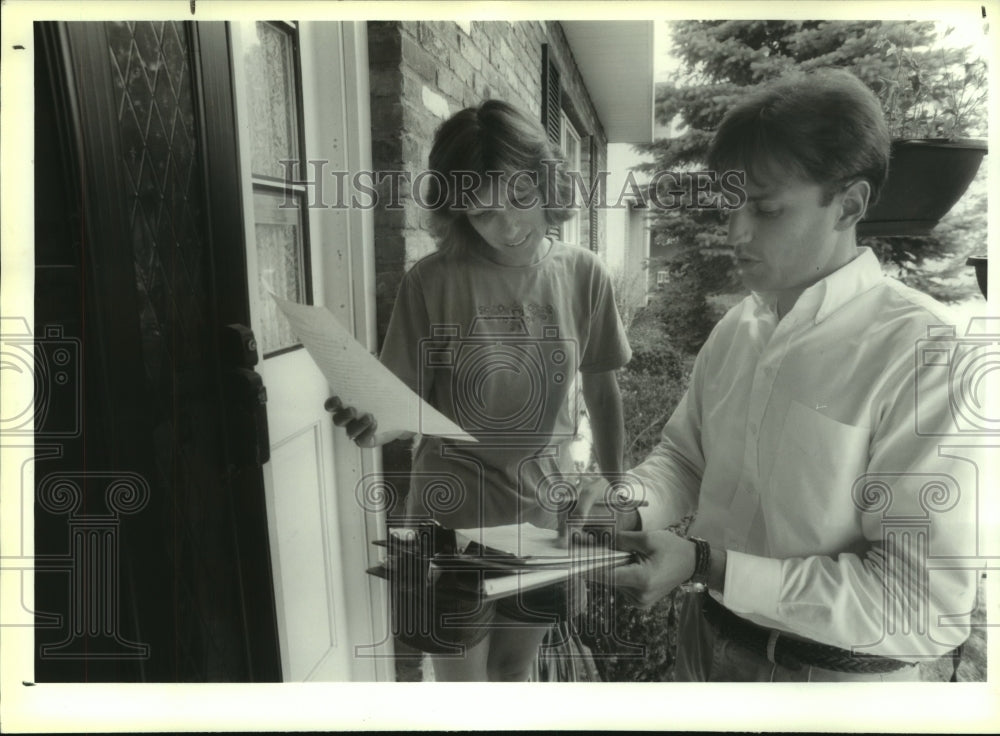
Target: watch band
698,581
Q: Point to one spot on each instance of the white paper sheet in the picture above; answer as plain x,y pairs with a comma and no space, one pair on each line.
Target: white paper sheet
534,548
537,546
522,582
359,379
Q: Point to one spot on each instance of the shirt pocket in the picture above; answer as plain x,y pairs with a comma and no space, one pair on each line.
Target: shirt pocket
808,506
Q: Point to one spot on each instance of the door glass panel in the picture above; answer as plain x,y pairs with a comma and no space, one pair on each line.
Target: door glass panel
280,267
272,99
282,243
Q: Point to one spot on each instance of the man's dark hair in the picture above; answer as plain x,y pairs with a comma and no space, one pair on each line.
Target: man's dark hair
826,126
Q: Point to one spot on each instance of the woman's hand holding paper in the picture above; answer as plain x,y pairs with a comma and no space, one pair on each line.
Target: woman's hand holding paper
360,427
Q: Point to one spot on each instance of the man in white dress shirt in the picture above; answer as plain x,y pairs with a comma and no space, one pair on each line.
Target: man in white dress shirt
810,442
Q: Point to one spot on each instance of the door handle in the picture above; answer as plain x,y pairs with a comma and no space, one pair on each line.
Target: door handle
246,398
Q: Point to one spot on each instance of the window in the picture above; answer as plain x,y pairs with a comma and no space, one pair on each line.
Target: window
569,142
282,245
662,278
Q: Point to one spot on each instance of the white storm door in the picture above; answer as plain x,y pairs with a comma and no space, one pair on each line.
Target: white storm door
297,99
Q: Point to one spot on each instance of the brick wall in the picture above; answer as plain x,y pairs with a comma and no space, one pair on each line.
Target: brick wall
424,71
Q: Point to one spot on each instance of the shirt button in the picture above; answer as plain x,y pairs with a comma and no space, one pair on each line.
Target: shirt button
753,428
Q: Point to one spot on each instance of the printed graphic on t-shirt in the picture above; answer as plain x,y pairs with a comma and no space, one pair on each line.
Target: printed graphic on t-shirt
530,313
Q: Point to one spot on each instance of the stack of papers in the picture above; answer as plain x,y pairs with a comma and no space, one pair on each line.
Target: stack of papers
517,557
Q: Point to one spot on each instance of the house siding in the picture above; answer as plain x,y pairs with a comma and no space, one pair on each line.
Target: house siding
423,72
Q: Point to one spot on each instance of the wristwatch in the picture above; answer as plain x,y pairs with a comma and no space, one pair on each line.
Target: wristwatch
698,582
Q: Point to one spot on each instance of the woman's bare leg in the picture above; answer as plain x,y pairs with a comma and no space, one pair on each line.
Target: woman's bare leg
513,648
469,666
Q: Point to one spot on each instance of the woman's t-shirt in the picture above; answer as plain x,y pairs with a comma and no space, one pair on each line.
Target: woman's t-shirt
497,349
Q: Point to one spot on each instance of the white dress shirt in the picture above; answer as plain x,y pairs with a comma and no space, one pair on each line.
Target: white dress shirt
823,452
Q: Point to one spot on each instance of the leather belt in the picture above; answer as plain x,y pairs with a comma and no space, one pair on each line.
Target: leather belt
790,652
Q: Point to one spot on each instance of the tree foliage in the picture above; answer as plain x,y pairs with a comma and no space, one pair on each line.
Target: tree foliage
927,89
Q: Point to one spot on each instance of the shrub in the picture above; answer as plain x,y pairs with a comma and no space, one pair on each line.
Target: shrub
648,400
630,644
633,644
656,359
651,384
683,309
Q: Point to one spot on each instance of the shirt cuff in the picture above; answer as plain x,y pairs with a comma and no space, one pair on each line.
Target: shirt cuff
753,584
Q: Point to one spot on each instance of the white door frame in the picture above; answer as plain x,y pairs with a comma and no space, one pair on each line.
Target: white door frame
369,624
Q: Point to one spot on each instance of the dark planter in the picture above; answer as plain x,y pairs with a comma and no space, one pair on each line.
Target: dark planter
927,176
980,264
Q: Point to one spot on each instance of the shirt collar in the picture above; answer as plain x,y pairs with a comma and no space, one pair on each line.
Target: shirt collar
764,304
850,280
832,292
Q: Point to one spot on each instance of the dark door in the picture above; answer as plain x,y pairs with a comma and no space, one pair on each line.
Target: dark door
150,526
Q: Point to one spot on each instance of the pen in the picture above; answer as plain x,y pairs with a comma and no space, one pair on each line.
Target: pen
624,503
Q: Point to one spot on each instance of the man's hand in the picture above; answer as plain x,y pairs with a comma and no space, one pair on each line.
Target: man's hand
663,561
